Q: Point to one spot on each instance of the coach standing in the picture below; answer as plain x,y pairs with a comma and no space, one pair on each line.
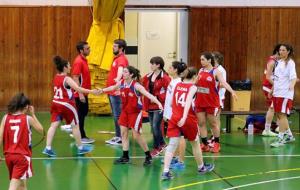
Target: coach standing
81,75
115,75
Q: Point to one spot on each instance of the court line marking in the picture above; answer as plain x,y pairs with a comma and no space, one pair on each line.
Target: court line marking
142,157
263,182
234,177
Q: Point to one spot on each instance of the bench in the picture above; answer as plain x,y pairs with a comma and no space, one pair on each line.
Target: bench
230,114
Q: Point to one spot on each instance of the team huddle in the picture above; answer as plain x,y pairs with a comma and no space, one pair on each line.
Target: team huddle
183,99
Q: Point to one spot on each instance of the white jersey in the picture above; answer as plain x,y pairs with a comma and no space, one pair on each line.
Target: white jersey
169,98
283,75
222,90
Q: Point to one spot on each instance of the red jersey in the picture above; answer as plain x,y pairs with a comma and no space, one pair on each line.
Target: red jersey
179,99
267,86
81,68
131,99
207,90
158,89
17,135
62,92
119,61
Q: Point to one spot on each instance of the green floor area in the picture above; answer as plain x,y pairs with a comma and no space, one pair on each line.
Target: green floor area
245,162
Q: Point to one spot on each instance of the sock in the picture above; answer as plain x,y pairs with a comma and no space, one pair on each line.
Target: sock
200,166
280,135
48,147
204,140
148,155
267,126
166,170
217,139
80,147
125,154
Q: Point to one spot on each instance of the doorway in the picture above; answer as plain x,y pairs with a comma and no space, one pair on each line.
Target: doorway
156,32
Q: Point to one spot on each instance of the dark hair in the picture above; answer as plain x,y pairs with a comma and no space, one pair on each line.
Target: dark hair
189,73
158,61
60,63
179,66
18,103
276,49
121,44
218,57
135,72
288,48
209,56
80,45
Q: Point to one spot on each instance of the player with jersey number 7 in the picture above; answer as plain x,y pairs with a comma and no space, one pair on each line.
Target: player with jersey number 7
15,135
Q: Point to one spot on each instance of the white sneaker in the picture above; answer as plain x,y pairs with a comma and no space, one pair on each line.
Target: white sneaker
279,142
268,133
288,139
66,128
87,140
114,141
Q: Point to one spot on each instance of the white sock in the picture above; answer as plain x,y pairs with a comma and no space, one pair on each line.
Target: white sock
166,170
200,166
48,147
267,126
280,135
80,147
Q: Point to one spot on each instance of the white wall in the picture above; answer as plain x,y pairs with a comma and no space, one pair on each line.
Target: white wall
239,3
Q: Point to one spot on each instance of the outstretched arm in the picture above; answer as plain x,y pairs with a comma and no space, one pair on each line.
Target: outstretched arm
111,88
2,130
75,86
143,91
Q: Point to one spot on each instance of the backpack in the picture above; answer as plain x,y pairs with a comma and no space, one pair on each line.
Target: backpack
258,122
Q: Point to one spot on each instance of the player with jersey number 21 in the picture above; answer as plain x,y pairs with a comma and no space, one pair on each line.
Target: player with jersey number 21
63,106
15,135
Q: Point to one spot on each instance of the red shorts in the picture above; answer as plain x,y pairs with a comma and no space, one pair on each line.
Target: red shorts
268,99
64,110
282,105
19,166
209,110
131,120
189,130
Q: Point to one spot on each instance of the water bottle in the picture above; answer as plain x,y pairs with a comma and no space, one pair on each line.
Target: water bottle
250,128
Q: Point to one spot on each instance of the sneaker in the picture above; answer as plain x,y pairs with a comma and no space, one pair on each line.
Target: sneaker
122,160
204,148
84,150
66,128
269,133
288,138
279,142
206,168
215,148
87,140
148,161
166,176
174,160
177,166
162,148
49,153
114,141
155,152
